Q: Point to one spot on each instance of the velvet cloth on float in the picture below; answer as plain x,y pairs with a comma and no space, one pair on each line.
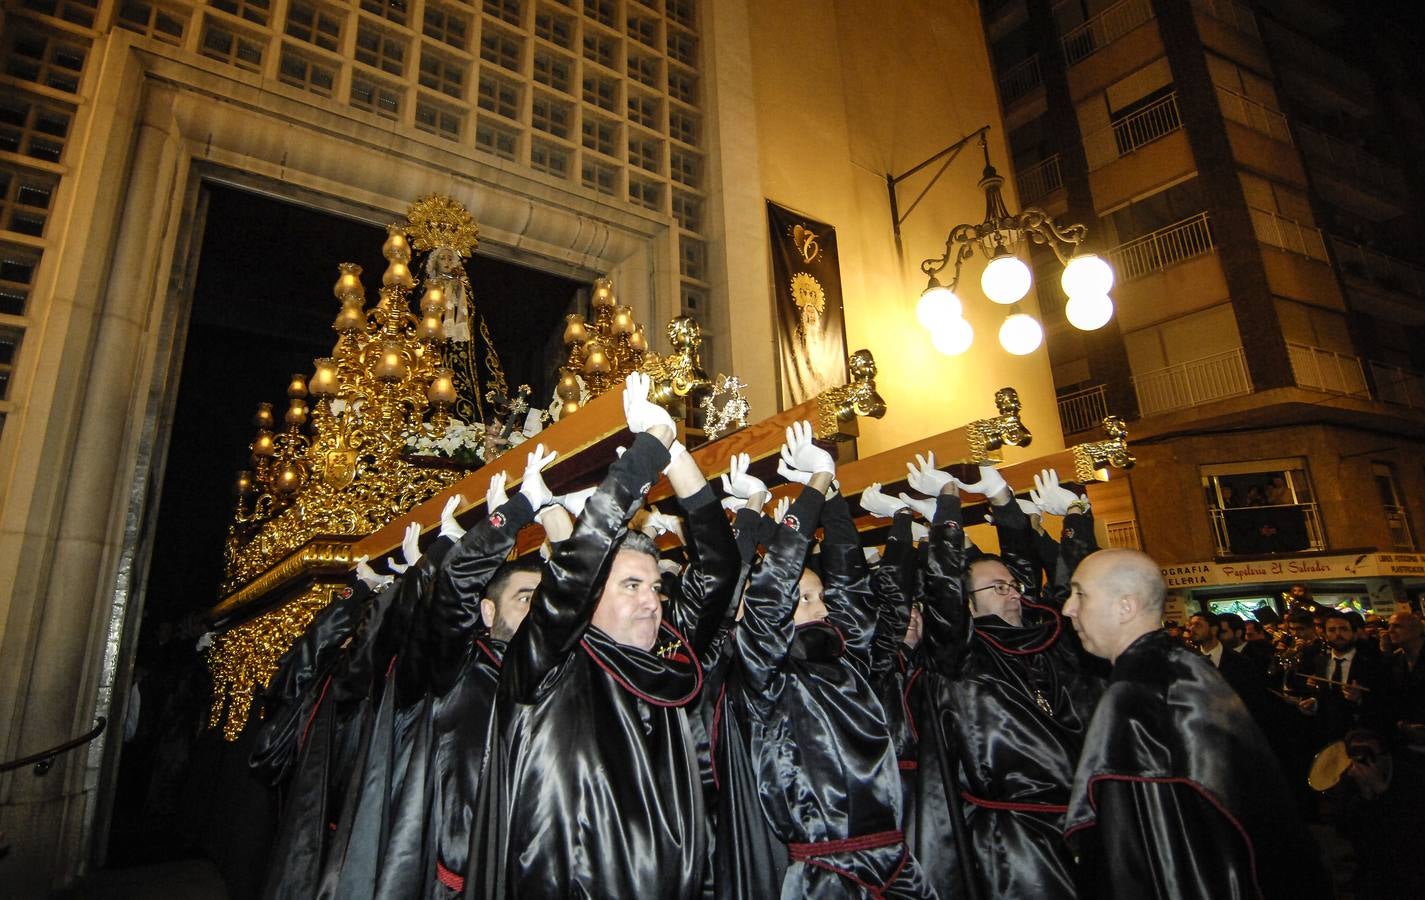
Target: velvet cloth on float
592,783
1178,794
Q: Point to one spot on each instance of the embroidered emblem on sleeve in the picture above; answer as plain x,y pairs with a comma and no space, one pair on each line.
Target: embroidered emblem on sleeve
497,519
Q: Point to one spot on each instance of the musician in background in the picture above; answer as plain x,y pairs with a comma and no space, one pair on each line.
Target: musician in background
1347,683
1407,675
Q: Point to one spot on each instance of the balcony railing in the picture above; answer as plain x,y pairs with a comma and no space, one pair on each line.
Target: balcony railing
1082,410
1288,234
1039,180
1193,383
1124,534
1387,271
1020,80
1393,384
1319,369
1237,15
1255,115
1358,164
1255,530
1162,248
1105,28
1121,138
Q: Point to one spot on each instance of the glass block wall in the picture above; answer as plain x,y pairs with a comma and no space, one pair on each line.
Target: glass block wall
604,95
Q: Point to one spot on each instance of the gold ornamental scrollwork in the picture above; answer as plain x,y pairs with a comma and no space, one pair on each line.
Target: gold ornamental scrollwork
988,435
837,408
1089,458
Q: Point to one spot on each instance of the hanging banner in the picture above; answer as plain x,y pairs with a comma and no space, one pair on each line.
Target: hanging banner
811,330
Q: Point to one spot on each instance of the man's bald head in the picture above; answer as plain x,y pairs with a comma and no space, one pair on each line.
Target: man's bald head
1118,595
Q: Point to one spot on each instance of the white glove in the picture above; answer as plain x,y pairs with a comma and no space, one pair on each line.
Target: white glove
1051,497
927,479
495,496
732,504
779,512
205,640
878,504
533,487
925,507
669,567
1029,508
659,524
448,526
801,454
368,576
737,482
919,532
873,555
991,482
642,413
410,549
574,500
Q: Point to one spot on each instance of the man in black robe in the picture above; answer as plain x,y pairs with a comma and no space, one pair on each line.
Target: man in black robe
591,786
1177,793
1006,698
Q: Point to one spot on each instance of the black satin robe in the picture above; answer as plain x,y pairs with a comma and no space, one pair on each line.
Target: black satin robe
591,786
818,739
895,667
1177,793
1006,708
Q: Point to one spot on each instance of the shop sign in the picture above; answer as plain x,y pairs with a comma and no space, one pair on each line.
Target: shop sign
1316,568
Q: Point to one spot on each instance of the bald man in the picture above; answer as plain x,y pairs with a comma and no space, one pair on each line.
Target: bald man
1177,793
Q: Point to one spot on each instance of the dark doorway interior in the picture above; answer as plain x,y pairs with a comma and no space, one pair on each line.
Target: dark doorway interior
262,310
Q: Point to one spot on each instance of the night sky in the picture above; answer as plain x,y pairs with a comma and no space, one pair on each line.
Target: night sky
262,310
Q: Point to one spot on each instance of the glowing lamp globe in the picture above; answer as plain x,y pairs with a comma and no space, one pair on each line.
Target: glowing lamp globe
937,306
1006,279
1020,334
1086,276
1088,312
952,337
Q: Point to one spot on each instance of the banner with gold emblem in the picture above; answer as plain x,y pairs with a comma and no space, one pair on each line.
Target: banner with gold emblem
811,330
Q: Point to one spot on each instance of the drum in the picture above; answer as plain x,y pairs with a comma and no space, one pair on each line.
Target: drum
1328,766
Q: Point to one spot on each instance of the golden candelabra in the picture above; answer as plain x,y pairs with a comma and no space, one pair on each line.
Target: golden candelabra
601,352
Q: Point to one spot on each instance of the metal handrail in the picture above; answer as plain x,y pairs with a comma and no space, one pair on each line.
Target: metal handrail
44,760
1105,28
1319,369
1254,114
1082,410
1040,179
1193,383
1381,268
1288,234
1159,249
1021,78
1238,15
1118,139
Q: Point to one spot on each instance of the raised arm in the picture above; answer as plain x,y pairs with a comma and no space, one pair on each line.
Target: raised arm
573,579
893,586
946,614
714,572
1017,545
1076,540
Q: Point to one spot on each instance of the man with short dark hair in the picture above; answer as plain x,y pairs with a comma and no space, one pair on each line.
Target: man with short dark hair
1176,793
1347,683
1204,628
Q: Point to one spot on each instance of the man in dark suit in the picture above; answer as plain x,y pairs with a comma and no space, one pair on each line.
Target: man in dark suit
1239,672
1232,632
1348,682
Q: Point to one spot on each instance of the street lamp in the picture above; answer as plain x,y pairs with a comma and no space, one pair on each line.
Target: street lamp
1006,280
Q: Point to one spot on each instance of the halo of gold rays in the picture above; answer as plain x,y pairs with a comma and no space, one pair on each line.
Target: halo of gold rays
438,221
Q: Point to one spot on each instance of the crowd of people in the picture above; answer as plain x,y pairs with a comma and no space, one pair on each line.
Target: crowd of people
774,710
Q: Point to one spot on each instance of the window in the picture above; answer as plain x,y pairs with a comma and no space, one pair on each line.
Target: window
692,259
646,194
152,20
315,25
549,158
9,347
45,59
552,27
390,10
380,49
33,127
601,91
601,135
438,119
683,86
550,116
499,96
447,26
80,12
255,11
645,69
231,46
688,210
645,110
684,12
308,74
1262,507
25,199
600,177
504,50
553,70
683,47
442,74
646,153
695,303
1397,517
602,49
507,10
17,276
496,139
374,95
687,168
605,12
683,126
643,29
